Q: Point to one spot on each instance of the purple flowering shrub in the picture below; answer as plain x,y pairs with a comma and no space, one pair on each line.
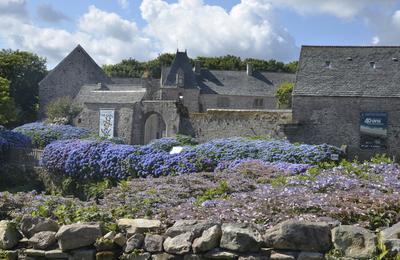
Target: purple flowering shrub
93,159
9,139
42,134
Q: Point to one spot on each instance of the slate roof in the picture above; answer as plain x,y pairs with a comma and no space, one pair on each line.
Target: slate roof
97,73
240,84
361,71
181,61
115,94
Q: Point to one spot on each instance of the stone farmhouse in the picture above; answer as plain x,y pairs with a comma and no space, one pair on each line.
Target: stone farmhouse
348,96
186,99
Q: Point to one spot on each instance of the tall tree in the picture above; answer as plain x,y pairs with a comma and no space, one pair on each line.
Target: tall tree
7,108
24,70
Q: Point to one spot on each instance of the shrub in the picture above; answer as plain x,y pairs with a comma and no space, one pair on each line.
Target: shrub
62,110
87,159
44,134
284,94
9,139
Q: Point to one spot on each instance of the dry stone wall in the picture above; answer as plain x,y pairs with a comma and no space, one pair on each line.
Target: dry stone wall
39,238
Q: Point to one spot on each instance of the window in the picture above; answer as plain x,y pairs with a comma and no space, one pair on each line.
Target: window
222,102
258,103
372,64
180,78
328,64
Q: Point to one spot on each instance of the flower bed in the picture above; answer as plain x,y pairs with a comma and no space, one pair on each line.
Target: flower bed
95,160
42,134
251,191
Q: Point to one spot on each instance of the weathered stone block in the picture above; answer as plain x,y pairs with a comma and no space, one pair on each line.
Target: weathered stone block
197,227
56,254
219,253
106,255
32,225
153,243
209,239
82,254
9,235
163,256
132,226
353,241
78,235
43,240
300,235
240,237
311,256
134,242
179,245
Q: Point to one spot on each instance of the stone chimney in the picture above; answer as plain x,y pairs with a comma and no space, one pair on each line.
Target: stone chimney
197,67
249,69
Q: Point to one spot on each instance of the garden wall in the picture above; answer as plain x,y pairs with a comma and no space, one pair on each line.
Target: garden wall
40,238
222,123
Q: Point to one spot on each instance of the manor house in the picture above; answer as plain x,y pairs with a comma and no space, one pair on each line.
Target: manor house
141,109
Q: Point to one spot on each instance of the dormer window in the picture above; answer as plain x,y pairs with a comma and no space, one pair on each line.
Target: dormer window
180,78
328,64
372,64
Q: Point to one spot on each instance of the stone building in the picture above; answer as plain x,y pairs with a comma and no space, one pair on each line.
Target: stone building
348,96
139,110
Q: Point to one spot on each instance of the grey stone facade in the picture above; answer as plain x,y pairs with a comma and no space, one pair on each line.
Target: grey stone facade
145,109
335,85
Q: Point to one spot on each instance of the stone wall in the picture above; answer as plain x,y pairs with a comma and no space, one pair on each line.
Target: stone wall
336,121
221,123
134,239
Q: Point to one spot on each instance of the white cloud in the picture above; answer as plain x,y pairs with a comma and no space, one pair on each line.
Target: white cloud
248,30
124,4
339,8
16,8
387,29
47,13
106,36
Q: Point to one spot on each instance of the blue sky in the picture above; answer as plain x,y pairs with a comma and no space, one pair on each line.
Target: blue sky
111,30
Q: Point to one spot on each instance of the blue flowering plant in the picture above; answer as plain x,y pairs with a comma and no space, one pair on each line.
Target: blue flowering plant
43,134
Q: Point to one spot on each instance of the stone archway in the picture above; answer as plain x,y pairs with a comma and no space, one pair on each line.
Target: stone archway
154,127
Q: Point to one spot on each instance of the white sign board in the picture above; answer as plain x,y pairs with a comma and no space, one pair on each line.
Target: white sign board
176,150
106,128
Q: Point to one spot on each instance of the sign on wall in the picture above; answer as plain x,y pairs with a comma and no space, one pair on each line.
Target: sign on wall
373,130
106,128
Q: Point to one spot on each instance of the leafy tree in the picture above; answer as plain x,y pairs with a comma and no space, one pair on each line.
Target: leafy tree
134,68
62,110
24,70
7,107
284,94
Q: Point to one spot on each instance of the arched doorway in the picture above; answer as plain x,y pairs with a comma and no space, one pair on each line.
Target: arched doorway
154,128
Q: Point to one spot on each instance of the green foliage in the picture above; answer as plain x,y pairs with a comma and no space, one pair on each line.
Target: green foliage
136,69
284,94
24,71
278,181
133,68
214,193
7,106
381,158
62,108
185,140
